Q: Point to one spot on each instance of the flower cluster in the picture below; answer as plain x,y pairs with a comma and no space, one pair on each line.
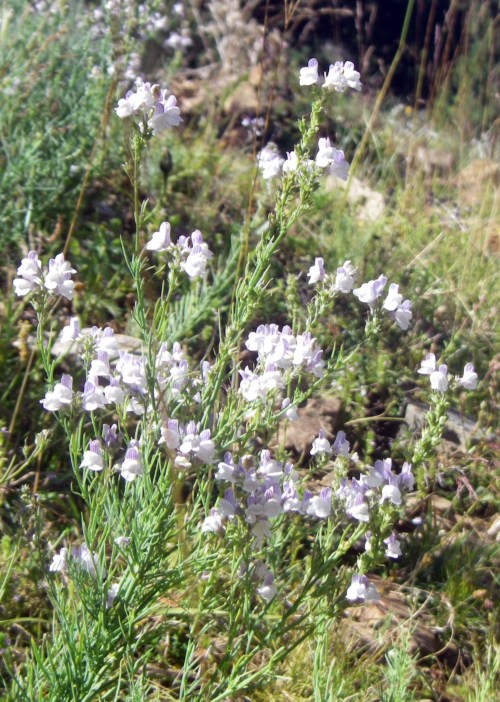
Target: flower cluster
340,76
190,253
259,493
190,442
394,305
378,486
328,159
151,107
55,280
281,355
438,375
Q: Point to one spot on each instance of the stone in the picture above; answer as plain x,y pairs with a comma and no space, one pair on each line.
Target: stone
318,413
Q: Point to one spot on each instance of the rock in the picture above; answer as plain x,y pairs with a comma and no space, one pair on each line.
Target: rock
369,203
318,413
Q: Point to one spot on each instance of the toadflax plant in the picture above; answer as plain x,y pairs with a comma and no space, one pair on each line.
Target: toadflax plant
194,527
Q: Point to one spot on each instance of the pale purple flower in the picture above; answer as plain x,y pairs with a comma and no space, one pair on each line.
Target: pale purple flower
110,435
61,396
30,275
439,378
321,444
403,315
166,114
341,76
199,445
341,445
290,410
309,74
160,241
227,505
292,162
111,594
213,523
93,397
105,340
469,379
393,549
316,272
99,368
226,469
71,331
369,292
360,589
428,365
405,479
30,266
344,278
58,278
357,508
59,562
170,435
321,505
332,159
92,458
142,100
270,162
114,393
391,493
132,466
393,299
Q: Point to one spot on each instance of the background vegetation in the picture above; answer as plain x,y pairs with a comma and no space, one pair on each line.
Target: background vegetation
422,206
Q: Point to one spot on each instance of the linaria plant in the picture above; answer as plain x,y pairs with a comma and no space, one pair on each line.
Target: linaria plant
193,528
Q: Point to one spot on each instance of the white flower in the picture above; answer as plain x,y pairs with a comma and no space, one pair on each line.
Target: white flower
141,100
360,589
270,162
341,446
332,159
469,379
292,162
160,241
393,299
321,505
58,278
392,493
166,114
428,365
92,458
316,272
309,74
345,276
393,549
132,466
29,272
439,378
291,410
403,315
341,76
61,396
370,291
321,444
196,263
59,562
93,397
111,594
